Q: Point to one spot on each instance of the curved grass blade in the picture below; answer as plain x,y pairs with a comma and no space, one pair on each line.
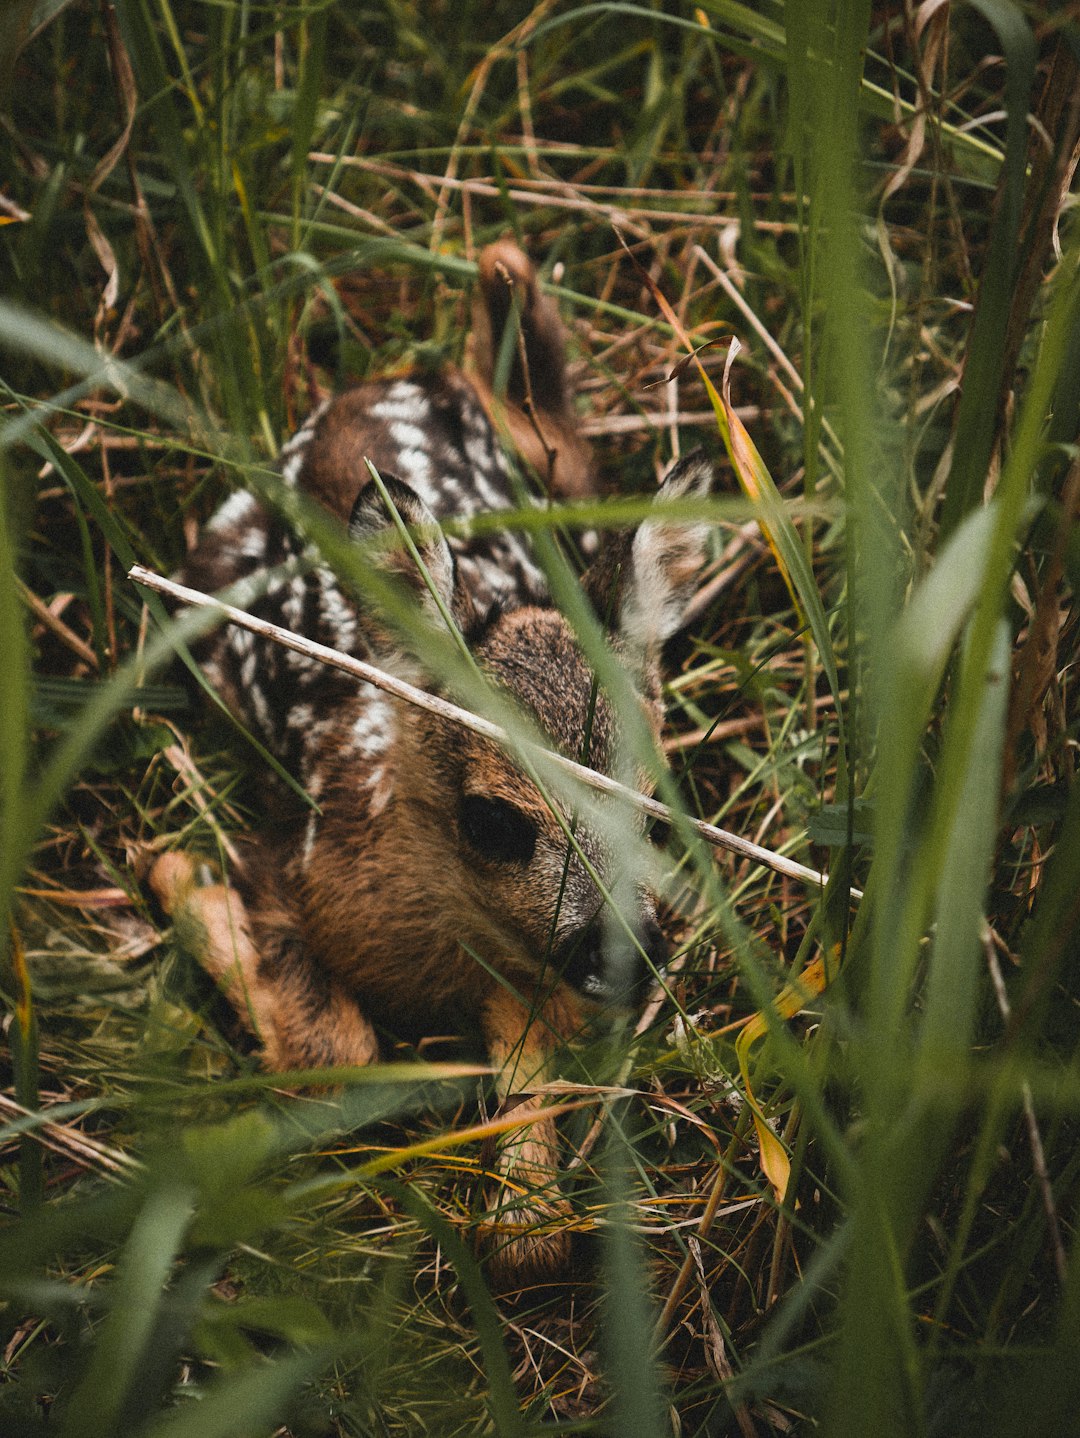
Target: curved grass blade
974,435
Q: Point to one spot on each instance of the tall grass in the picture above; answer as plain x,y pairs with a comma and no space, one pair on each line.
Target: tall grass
857,1217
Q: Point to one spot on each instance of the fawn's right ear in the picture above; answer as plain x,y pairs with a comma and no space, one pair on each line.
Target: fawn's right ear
643,582
372,525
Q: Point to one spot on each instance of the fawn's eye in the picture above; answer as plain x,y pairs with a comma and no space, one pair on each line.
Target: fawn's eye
496,829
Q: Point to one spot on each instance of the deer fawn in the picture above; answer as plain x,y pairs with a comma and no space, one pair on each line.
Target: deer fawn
433,884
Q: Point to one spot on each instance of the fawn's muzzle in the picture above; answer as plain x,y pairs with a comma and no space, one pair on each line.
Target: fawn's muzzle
605,964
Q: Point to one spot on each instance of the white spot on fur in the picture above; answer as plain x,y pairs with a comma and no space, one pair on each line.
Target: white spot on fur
238,510
253,544
291,458
310,833
243,641
292,463
403,403
292,606
373,730
414,467
308,670
409,436
335,612
259,707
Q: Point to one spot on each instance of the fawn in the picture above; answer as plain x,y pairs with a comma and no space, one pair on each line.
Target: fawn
433,884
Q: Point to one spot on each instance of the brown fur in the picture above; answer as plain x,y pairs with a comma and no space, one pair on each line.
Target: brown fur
432,847
536,411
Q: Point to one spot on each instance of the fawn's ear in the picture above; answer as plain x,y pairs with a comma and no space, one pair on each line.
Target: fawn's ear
643,583
372,525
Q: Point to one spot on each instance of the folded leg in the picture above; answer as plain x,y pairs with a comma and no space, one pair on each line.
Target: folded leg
301,1018
526,1231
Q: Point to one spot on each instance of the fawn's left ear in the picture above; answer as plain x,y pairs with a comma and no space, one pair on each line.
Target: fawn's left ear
371,525
646,582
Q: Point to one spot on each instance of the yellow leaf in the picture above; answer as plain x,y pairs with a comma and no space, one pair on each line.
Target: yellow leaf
775,1164
749,466
791,998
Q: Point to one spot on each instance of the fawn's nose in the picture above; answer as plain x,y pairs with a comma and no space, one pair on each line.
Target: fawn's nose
604,963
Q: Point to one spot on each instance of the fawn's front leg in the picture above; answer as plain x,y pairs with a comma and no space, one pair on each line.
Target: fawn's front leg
302,1018
524,1231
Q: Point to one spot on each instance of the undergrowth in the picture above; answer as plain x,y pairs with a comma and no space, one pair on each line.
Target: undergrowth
218,213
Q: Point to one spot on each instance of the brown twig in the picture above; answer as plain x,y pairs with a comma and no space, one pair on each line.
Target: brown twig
41,611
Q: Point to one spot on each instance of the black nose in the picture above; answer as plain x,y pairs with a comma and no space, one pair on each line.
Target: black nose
602,962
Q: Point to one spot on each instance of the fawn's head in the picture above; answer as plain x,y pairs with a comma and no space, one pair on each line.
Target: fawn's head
499,873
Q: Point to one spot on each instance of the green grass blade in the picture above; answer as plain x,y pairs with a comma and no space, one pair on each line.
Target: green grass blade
15,979
14,715
956,966
975,431
97,1407
638,1406
253,1402
159,91
922,645
311,59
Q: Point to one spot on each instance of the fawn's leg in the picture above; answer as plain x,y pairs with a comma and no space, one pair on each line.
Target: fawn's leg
301,1018
522,1044
536,409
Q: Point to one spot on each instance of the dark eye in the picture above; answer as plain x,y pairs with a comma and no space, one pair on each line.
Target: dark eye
497,830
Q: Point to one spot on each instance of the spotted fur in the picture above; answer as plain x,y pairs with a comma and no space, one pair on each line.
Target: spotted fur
433,886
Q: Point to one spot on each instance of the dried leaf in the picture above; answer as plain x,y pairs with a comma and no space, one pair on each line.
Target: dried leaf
791,999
